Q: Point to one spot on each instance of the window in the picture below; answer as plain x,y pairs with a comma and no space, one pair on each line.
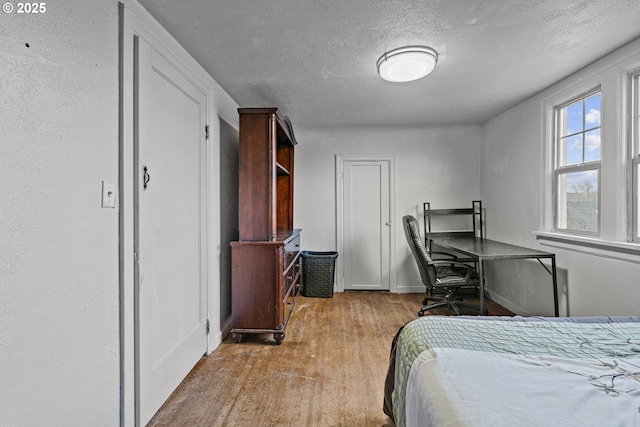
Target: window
635,154
591,155
578,145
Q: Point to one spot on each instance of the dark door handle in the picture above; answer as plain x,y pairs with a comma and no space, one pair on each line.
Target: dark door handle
145,177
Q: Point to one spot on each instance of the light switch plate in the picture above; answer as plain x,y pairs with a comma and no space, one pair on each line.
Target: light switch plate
108,195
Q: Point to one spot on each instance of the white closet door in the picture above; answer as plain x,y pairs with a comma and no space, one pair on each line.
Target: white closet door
366,213
169,236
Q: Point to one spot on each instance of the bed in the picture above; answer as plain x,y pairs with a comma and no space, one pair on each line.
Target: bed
506,371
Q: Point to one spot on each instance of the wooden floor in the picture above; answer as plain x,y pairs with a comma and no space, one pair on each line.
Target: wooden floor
328,372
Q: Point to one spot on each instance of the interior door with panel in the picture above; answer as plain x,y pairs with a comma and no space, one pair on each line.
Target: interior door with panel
366,213
170,229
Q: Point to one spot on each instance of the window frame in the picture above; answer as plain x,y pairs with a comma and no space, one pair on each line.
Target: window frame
633,89
558,169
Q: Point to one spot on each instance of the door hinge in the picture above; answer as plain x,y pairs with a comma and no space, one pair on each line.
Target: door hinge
206,132
208,326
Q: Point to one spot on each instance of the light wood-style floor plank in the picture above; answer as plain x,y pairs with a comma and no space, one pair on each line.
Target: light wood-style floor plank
329,371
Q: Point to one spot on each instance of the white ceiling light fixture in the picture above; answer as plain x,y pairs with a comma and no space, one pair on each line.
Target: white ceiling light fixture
406,64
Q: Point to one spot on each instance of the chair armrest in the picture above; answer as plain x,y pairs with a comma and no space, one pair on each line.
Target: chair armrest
444,263
452,256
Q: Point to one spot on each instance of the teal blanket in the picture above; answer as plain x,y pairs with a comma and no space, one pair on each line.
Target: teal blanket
564,337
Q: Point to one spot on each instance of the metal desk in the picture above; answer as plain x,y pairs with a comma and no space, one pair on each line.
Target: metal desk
484,249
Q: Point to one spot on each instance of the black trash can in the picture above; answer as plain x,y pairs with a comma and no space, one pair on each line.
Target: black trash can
318,271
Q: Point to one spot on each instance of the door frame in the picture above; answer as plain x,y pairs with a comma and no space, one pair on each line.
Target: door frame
340,160
135,21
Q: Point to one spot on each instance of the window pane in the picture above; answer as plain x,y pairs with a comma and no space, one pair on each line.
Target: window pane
573,118
578,145
573,155
592,110
578,201
592,146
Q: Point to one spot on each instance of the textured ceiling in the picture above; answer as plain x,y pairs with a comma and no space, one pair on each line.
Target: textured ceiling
315,59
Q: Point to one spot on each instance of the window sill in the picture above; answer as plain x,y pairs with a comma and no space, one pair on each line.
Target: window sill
623,251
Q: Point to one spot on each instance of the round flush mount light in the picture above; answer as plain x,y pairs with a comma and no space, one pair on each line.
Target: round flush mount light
407,63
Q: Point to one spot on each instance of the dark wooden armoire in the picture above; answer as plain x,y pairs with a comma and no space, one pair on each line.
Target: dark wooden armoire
266,260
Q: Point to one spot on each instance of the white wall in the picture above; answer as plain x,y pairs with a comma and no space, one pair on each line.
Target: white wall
512,176
59,302
432,164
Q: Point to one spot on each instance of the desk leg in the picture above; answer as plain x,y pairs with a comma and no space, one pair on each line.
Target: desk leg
555,285
481,274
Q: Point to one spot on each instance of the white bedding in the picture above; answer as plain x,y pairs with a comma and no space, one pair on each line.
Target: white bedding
461,387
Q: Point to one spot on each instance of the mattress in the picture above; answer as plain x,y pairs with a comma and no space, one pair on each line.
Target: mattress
493,371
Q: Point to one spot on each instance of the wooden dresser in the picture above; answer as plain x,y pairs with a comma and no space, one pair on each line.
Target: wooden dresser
265,262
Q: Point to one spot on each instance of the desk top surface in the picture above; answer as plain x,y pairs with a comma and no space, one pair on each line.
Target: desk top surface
488,249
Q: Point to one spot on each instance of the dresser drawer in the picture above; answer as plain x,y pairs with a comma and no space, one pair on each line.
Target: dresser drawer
291,250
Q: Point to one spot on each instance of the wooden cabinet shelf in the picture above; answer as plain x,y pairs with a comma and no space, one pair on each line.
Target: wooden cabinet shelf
266,259
266,173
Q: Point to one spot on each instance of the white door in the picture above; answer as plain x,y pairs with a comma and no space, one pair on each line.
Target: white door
169,228
366,225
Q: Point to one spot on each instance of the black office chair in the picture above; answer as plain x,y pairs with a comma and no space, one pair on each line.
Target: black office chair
439,275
